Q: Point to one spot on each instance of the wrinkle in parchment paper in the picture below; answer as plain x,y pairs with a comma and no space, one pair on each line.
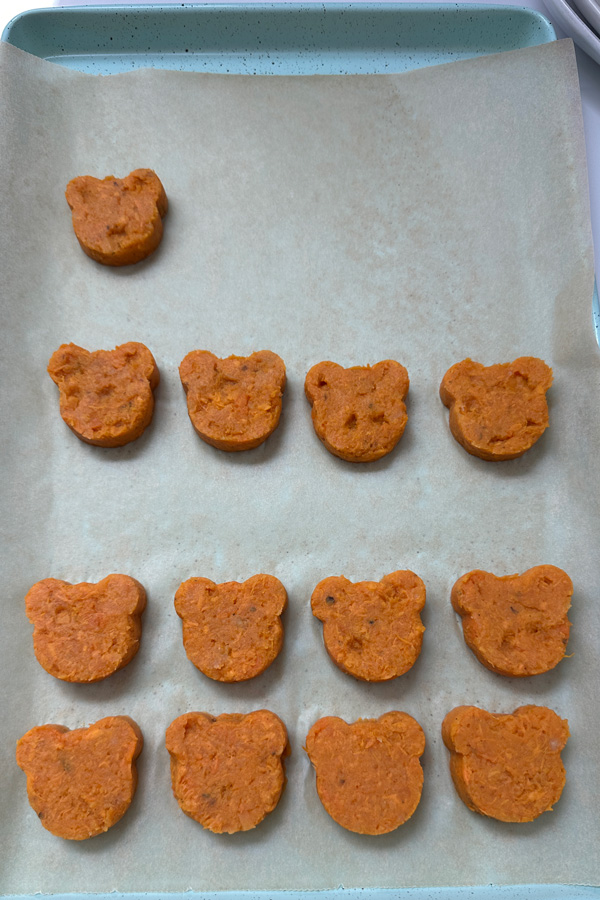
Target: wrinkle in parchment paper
423,217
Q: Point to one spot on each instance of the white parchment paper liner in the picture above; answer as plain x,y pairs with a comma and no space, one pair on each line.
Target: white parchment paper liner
424,217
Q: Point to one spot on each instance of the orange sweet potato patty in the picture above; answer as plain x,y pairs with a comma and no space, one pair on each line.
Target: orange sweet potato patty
80,783
85,632
232,631
106,396
507,767
515,624
372,629
233,403
497,412
369,778
118,221
358,413
227,772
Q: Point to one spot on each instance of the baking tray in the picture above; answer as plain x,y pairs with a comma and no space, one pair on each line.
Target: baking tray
289,39
274,38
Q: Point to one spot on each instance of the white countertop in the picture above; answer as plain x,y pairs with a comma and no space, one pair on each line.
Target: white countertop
589,76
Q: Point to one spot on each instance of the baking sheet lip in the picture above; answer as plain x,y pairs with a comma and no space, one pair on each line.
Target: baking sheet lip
475,892
282,8
596,311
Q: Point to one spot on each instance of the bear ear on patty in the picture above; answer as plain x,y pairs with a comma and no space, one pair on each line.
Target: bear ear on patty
68,361
320,377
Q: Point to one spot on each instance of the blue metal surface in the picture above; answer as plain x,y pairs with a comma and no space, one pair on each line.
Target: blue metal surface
485,892
273,38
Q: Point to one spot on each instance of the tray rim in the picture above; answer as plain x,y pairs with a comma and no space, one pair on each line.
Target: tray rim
279,10
476,892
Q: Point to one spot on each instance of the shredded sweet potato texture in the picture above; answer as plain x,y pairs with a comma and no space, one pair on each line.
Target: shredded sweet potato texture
358,413
497,412
507,767
372,629
369,778
515,625
234,403
106,396
227,771
118,221
232,631
81,782
85,632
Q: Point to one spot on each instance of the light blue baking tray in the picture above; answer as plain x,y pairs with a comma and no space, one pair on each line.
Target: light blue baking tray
274,38
290,39
486,892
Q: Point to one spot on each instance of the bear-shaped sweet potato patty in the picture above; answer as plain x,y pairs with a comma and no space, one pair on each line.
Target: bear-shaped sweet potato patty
85,632
507,767
358,413
369,778
497,412
106,396
118,221
516,625
372,629
234,403
81,782
227,771
232,631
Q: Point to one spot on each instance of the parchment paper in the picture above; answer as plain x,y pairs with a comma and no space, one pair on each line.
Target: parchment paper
424,217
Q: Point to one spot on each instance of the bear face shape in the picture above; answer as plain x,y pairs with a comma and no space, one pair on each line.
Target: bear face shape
234,403
106,396
372,630
81,782
118,221
507,767
369,778
358,413
515,625
232,631
85,632
227,772
497,412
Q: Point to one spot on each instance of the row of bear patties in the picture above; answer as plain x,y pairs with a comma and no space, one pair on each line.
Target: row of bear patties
516,625
228,771
497,412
